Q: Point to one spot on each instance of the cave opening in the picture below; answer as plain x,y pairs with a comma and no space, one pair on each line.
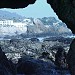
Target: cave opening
26,31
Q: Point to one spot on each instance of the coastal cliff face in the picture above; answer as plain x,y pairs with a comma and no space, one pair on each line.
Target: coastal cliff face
65,9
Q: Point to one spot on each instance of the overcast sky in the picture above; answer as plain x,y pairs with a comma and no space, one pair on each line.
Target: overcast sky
37,10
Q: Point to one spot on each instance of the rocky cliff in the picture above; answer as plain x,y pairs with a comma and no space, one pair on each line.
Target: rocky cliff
60,7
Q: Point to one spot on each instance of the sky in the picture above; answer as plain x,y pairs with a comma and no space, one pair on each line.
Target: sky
37,10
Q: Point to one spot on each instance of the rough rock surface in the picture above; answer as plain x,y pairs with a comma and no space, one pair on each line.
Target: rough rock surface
71,58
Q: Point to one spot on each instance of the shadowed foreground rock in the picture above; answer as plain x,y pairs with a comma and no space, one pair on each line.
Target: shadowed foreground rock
6,66
71,58
30,66
65,9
